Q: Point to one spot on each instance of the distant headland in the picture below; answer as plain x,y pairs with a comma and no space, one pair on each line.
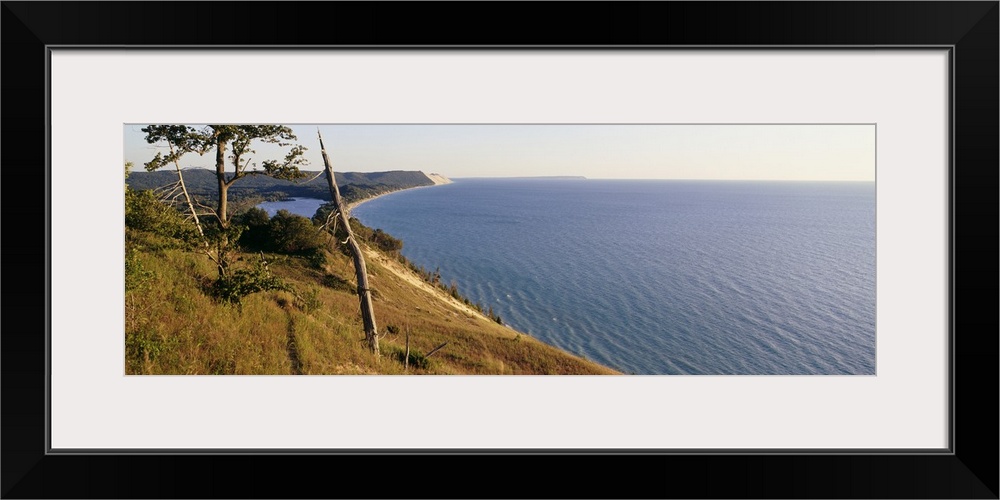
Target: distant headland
530,177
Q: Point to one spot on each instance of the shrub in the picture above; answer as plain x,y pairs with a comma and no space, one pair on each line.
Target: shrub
309,302
256,235
144,346
137,278
290,233
360,231
385,242
144,212
337,283
494,316
242,282
141,347
324,210
316,258
417,360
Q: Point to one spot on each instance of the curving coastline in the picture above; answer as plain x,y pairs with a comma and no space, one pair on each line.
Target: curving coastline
437,179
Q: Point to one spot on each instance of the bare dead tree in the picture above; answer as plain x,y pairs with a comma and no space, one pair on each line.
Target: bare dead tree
364,291
436,349
187,197
180,136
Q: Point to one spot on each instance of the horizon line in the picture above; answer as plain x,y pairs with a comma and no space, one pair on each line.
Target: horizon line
554,177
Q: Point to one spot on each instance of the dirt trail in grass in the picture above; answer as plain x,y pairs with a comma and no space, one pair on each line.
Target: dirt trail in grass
293,352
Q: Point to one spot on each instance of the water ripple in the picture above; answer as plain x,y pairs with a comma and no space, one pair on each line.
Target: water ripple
663,277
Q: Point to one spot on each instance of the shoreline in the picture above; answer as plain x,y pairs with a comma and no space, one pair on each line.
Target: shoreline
407,275
351,206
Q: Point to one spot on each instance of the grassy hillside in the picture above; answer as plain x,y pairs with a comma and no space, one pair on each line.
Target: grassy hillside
308,322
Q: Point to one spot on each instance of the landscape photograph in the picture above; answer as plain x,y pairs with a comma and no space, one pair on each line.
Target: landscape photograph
499,249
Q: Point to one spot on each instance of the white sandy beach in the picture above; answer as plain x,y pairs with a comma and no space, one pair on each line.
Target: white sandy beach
435,178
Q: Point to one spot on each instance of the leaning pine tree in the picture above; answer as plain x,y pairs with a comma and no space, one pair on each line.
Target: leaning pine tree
364,292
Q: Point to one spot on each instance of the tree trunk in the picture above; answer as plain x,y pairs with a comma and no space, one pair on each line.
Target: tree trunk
364,292
221,211
194,213
220,175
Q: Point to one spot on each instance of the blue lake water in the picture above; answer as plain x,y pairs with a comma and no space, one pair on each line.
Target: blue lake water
305,207
659,277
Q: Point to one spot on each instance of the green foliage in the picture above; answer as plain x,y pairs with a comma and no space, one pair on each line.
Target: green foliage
322,213
355,192
317,258
221,367
144,212
240,139
354,186
290,233
417,359
242,282
146,345
173,325
309,301
385,242
237,140
337,283
377,238
360,231
230,142
138,279
256,235
140,346
219,240
181,139
289,169
493,316
285,233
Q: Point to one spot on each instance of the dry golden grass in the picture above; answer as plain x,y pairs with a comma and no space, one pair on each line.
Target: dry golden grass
174,327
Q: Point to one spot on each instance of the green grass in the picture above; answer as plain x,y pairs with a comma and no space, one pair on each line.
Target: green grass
175,326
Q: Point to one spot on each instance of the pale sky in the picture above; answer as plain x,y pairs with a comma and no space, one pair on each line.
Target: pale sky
730,152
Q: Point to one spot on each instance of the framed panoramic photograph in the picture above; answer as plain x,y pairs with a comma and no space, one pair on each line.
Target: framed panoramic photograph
581,249
725,255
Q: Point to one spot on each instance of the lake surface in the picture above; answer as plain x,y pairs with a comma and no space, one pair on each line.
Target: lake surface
659,277
305,207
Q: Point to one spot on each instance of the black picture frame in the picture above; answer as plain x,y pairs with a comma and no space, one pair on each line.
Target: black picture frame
970,470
